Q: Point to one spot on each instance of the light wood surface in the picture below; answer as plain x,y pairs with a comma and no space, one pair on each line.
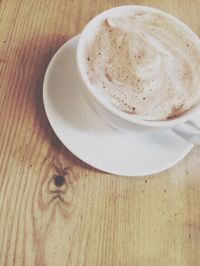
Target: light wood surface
92,218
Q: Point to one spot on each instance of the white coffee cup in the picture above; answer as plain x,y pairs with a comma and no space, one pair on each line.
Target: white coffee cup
101,104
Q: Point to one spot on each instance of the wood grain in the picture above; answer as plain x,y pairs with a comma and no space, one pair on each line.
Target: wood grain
89,218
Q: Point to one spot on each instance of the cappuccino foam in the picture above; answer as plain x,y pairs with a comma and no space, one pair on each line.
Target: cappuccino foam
146,64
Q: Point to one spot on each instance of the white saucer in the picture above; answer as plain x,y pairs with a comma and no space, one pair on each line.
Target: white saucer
90,138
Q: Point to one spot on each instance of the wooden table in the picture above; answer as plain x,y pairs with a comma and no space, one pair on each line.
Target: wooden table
88,217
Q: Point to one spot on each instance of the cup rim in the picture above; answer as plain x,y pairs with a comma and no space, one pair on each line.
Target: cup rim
89,87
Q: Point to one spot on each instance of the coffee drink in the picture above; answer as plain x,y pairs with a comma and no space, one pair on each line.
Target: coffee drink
146,63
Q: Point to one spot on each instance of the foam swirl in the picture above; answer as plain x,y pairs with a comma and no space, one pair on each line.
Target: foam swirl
146,64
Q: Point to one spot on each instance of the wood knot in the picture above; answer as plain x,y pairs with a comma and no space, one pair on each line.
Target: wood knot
56,190
58,184
59,180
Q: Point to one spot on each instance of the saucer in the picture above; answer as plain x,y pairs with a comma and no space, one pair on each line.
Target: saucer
88,137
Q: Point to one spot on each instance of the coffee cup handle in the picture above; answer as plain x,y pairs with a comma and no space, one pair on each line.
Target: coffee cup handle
189,131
